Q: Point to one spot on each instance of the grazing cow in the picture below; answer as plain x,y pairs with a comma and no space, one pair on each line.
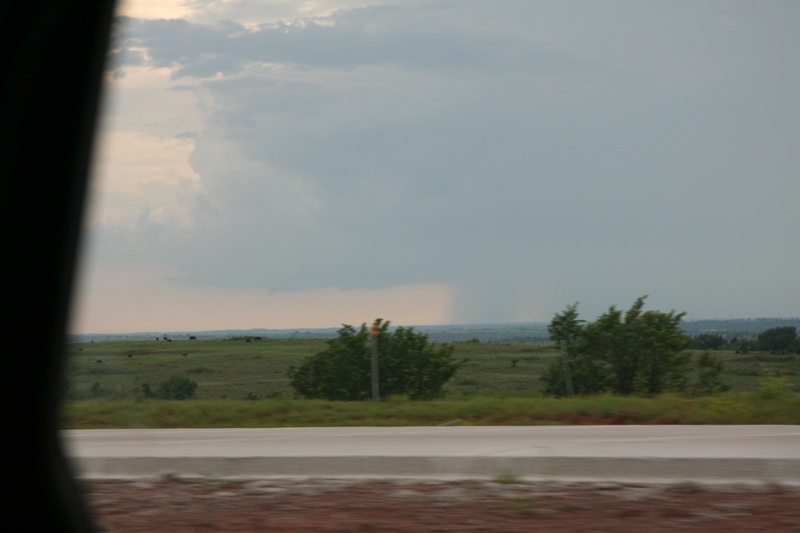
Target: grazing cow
80,349
130,355
247,340
168,340
257,338
156,338
184,353
99,360
192,338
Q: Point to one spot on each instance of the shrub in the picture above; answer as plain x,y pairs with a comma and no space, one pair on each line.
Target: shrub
175,388
709,372
774,388
408,364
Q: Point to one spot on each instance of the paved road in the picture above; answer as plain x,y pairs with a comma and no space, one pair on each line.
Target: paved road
653,453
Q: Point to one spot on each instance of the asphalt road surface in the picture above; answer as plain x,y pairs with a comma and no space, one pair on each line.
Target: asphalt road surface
646,453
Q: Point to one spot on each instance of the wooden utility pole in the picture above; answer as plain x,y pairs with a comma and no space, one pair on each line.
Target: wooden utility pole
376,395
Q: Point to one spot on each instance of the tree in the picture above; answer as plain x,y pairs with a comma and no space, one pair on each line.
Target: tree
565,326
408,363
708,341
565,329
777,340
636,352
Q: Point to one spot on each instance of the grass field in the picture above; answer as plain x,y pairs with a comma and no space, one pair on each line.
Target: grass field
499,385
229,368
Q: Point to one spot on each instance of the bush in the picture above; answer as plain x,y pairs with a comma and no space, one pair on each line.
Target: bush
709,372
408,364
774,388
175,388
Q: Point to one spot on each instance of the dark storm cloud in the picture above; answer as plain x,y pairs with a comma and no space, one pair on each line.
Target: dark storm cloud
555,152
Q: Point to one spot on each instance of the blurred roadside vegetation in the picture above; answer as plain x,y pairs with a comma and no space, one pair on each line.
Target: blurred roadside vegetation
243,382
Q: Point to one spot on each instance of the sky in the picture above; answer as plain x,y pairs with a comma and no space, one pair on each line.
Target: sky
292,164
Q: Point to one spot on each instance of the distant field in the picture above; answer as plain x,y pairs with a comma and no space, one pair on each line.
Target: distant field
235,369
244,384
229,368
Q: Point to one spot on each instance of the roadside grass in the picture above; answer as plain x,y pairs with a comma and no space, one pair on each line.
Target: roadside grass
244,384
728,408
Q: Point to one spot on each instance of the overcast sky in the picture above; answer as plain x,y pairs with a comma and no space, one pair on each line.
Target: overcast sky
285,164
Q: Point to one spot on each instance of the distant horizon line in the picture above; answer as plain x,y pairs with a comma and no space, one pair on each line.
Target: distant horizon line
458,325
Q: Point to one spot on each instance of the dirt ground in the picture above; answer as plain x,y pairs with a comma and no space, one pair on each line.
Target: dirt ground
505,505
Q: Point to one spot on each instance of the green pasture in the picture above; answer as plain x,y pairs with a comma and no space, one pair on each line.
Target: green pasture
235,368
244,384
229,368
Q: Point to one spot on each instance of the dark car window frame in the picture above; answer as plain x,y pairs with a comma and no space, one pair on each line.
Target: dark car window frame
50,84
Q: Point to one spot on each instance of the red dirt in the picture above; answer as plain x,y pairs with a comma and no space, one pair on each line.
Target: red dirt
178,505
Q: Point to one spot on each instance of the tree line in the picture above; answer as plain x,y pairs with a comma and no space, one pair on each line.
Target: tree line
778,340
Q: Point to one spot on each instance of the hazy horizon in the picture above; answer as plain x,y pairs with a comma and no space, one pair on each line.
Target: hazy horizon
488,326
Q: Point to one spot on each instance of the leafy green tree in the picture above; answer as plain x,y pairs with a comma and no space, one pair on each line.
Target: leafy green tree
408,364
635,352
565,329
340,372
565,326
777,340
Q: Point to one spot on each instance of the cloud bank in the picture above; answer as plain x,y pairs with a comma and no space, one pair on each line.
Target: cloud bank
526,154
